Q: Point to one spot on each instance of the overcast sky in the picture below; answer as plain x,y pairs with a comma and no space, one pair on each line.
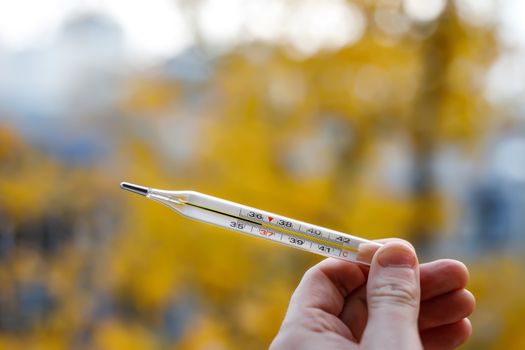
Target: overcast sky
156,29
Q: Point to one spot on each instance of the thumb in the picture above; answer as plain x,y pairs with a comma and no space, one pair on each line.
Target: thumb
393,296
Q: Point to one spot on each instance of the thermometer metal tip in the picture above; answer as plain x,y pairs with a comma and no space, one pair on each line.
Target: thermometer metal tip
143,191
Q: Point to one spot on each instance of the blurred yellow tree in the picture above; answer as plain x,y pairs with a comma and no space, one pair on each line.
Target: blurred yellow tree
313,137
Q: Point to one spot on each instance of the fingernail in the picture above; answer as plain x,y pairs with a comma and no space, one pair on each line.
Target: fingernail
396,255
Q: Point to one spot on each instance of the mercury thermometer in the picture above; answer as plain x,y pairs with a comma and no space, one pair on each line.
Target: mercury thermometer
262,224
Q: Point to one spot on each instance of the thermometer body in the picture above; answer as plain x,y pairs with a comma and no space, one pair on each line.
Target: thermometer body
262,224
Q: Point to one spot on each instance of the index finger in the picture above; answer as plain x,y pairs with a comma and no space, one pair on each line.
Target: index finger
326,285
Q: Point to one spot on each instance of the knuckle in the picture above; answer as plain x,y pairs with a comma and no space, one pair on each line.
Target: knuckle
313,273
394,293
316,320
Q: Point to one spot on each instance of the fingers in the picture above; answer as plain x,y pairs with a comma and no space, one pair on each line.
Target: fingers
319,298
446,309
393,296
326,285
444,301
442,276
355,312
448,336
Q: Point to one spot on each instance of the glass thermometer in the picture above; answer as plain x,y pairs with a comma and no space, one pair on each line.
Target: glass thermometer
262,224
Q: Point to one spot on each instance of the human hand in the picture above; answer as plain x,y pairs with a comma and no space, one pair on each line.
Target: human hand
394,304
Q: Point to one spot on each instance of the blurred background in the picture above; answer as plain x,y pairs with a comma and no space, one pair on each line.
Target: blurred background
387,118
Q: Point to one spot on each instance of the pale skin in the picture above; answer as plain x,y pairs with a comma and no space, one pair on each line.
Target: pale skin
397,303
